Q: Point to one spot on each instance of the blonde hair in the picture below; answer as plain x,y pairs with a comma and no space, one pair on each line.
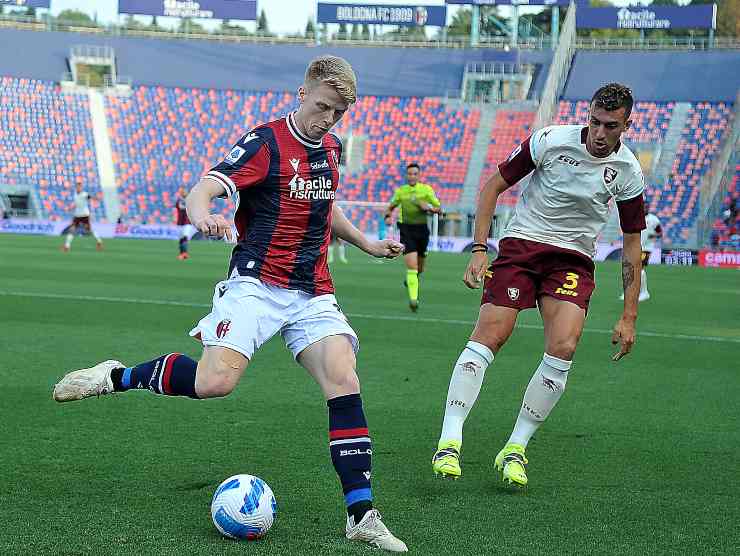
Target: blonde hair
335,72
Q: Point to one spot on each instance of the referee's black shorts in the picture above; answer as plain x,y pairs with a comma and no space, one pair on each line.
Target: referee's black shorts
415,238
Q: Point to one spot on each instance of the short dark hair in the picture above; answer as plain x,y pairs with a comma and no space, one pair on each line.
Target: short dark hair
613,97
413,165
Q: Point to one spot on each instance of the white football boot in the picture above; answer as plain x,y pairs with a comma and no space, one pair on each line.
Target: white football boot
372,531
86,383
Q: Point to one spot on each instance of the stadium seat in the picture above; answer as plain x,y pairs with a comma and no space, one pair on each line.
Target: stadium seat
46,139
167,137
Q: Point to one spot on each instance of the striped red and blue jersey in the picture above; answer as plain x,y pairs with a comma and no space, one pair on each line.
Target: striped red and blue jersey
284,184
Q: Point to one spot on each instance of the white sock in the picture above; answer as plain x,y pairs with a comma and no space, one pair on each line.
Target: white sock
68,240
543,392
643,281
467,377
97,238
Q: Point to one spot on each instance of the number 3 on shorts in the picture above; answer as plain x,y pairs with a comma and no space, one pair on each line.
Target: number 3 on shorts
571,281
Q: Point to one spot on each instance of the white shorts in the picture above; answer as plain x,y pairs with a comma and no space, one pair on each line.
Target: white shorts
246,313
187,230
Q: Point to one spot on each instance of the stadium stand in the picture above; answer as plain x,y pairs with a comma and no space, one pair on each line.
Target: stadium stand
676,202
163,138
509,130
179,121
46,140
726,229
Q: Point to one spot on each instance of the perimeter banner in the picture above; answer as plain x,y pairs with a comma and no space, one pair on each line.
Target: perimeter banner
719,259
203,9
372,14
516,2
26,3
659,17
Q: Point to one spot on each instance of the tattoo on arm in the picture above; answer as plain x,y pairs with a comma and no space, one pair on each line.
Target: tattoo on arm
628,274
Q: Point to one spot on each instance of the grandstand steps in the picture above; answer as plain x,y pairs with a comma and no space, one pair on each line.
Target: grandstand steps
676,126
104,155
471,185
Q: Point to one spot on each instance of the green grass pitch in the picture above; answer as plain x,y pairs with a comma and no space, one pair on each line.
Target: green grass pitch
640,456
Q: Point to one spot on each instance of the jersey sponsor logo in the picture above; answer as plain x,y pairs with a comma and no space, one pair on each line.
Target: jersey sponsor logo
513,293
294,162
223,328
610,174
319,188
568,160
319,165
234,156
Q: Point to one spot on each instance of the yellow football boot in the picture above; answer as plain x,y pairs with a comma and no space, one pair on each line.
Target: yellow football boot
512,463
446,461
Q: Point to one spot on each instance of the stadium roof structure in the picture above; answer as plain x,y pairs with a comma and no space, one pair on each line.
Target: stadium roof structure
432,72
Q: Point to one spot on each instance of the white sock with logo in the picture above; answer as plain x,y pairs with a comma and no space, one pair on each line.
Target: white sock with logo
467,378
543,392
68,240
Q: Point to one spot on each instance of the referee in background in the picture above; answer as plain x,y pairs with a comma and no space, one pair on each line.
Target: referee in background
416,200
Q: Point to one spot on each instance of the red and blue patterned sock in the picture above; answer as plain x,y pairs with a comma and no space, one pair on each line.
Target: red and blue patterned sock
172,374
351,452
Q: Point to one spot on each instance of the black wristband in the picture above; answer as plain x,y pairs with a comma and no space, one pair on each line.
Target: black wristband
479,250
483,246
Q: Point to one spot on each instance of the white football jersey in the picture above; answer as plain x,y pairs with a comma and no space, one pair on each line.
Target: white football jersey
82,206
565,200
649,234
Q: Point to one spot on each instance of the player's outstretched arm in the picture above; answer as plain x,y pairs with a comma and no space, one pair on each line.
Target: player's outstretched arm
198,203
624,330
344,229
483,215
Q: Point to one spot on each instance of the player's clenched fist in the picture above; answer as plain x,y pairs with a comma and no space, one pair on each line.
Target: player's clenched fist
387,248
476,270
215,225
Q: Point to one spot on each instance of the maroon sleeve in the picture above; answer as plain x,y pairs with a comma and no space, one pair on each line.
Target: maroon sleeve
632,215
518,165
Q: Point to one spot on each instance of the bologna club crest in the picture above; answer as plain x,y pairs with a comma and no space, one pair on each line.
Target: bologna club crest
223,328
421,16
610,175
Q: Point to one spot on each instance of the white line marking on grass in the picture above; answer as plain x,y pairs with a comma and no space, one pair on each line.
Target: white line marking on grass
721,339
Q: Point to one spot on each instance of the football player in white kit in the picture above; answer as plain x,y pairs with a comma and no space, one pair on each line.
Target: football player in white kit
81,218
545,260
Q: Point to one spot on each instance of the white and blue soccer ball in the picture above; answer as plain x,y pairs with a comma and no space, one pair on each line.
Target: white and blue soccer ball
243,507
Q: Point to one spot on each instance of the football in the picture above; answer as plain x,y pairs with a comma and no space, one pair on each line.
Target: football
243,507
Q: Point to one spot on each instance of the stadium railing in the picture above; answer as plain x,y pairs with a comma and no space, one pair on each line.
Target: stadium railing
388,40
